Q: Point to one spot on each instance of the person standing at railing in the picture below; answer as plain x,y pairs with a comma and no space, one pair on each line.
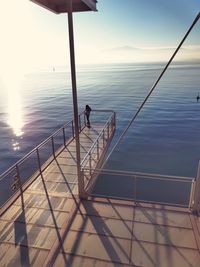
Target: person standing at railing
87,114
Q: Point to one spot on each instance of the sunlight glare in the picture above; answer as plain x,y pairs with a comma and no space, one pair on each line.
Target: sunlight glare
14,108
13,62
13,29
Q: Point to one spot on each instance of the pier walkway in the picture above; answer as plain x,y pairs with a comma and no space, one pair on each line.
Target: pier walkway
47,224
34,218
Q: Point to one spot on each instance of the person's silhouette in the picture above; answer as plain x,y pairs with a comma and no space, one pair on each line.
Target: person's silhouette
87,114
198,98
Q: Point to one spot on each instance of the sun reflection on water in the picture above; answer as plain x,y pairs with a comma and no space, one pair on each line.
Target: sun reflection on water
15,116
15,60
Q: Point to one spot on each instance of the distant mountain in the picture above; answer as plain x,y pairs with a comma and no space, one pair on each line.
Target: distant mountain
122,48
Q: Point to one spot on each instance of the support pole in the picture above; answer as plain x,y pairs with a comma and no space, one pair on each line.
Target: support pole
196,206
75,102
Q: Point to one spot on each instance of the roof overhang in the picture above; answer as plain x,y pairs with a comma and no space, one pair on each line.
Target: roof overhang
63,6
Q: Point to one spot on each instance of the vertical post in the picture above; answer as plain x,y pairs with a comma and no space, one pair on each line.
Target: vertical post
191,201
73,129
53,148
83,182
103,138
64,138
97,149
114,121
74,93
18,178
19,184
135,189
108,130
84,119
196,206
114,117
111,124
39,164
90,164
79,117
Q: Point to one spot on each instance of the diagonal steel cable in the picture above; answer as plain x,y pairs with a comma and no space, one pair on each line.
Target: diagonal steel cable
153,87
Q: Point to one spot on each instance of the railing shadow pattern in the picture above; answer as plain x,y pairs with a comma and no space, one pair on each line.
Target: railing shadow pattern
26,170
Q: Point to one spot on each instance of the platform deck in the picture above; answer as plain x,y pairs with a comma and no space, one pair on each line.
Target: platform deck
48,225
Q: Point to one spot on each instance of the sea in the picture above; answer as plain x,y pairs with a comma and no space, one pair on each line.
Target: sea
164,138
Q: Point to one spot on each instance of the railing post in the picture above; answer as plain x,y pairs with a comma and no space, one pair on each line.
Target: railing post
90,164
73,129
114,119
64,138
112,123
98,149
17,180
53,148
84,119
79,120
196,206
103,138
108,130
18,173
191,201
135,189
39,163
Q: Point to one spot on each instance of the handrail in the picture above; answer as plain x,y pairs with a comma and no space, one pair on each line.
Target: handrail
19,175
104,110
149,175
100,134
46,151
196,193
187,200
35,148
31,152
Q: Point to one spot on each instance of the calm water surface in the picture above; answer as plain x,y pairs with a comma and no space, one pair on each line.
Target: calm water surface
165,138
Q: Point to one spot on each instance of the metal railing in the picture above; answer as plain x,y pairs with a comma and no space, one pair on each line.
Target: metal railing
146,187
93,157
27,169
196,198
143,187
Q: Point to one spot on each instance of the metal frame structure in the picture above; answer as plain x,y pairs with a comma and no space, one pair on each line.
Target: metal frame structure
70,6
136,178
19,176
196,198
64,6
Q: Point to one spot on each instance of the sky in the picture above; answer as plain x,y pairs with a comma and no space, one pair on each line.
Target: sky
120,32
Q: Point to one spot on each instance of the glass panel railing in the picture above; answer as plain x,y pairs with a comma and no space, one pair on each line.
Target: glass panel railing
152,188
